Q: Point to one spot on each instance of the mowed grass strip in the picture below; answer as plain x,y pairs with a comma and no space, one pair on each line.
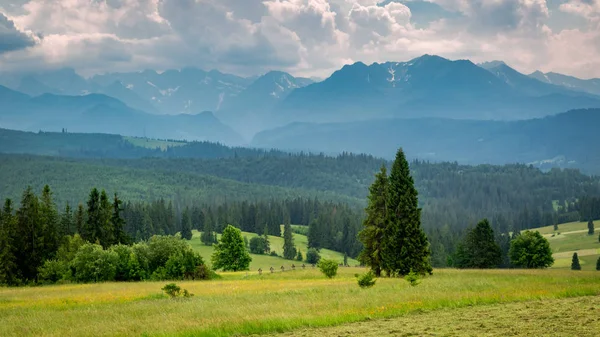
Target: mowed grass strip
556,317
241,304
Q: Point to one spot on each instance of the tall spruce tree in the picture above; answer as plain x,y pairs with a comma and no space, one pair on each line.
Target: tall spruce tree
375,223
598,263
186,224
591,227
405,247
80,222
66,222
30,244
575,262
289,249
50,224
479,249
266,238
92,231
9,271
107,230
118,223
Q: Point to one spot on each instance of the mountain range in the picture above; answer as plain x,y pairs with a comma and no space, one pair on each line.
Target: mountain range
176,103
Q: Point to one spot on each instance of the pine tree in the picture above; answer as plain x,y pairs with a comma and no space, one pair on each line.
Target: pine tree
590,227
405,247
375,223
66,222
207,234
289,249
9,271
80,221
479,249
29,243
575,263
50,222
267,243
92,230
186,224
598,263
107,231
118,223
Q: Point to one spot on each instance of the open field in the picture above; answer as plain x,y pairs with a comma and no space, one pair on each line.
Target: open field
264,261
573,237
240,304
556,317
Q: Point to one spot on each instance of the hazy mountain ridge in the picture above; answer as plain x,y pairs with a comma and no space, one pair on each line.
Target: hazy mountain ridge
564,140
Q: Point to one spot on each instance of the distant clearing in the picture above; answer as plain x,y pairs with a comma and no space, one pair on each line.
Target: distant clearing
573,238
153,143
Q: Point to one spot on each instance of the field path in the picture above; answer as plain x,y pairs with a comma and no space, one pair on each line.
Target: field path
578,316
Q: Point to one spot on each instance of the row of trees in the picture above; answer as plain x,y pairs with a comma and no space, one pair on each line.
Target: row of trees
34,232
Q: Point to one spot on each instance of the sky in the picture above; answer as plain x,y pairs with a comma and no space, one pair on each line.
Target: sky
303,37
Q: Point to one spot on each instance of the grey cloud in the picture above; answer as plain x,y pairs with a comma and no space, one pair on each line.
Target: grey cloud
11,38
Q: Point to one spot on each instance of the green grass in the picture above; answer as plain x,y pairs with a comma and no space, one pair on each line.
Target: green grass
556,317
153,143
246,304
265,261
573,238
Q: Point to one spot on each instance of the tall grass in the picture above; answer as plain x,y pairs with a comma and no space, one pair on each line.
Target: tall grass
241,304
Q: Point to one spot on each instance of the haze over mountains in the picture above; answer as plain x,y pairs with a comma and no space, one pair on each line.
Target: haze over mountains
436,108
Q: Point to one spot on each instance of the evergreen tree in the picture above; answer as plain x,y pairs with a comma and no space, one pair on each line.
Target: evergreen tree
30,245
479,249
207,234
118,223
231,254
49,225
590,227
107,230
266,238
598,263
299,256
9,271
405,247
92,230
289,249
66,222
374,224
80,221
186,224
575,262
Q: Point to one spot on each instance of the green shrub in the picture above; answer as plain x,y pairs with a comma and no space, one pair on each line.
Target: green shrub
299,256
328,267
412,278
53,271
173,291
258,245
273,253
94,264
312,256
367,280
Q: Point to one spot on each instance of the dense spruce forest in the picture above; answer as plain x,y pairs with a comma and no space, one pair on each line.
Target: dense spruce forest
215,185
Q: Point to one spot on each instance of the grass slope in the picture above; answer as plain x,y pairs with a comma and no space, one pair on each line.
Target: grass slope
573,238
240,304
555,317
266,261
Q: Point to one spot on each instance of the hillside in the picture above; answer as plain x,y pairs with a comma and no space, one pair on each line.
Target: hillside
266,261
565,140
570,238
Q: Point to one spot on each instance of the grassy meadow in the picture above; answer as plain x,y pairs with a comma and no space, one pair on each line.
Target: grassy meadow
573,237
266,261
243,304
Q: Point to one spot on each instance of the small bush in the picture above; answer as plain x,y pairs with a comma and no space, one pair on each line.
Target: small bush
367,280
312,256
328,267
204,273
299,256
273,253
173,290
412,278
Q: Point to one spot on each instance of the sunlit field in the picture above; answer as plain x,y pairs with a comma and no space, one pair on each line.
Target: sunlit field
246,303
573,237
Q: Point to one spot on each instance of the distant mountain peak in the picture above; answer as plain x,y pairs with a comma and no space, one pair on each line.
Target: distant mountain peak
492,64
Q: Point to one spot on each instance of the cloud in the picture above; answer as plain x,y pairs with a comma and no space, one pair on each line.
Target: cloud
305,37
11,38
